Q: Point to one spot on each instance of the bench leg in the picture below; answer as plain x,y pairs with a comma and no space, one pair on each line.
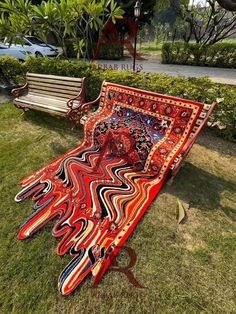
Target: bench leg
74,116
177,166
21,107
173,174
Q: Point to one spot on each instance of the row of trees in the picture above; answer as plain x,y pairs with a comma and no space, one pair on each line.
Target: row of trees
205,24
78,21
81,21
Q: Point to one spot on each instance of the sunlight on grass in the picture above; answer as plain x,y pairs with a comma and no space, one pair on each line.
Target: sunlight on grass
150,48
186,268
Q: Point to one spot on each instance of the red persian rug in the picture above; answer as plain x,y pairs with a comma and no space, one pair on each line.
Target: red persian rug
99,191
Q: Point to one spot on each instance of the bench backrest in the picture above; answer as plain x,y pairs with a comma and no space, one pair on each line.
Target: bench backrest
55,86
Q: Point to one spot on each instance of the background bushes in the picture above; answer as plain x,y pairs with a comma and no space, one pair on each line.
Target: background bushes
199,89
217,55
108,51
111,51
11,71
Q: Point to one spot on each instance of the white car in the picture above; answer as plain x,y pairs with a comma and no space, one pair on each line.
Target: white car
16,52
36,46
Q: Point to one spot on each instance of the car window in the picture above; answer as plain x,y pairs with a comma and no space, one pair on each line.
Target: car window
26,43
35,40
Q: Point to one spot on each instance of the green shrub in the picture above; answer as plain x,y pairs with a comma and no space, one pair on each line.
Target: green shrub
11,71
199,89
108,51
111,51
56,66
217,55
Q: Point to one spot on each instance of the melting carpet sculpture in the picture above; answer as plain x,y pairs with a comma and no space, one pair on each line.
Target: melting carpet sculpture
99,191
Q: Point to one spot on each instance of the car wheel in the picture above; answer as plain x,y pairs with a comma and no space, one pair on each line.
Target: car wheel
38,54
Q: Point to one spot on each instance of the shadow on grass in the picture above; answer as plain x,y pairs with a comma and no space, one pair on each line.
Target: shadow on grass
203,190
57,124
209,140
52,123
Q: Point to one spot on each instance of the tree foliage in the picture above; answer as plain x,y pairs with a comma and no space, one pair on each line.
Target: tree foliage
64,19
207,25
147,9
166,17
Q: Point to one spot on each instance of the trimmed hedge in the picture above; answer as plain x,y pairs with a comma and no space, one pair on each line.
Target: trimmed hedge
217,55
199,89
11,71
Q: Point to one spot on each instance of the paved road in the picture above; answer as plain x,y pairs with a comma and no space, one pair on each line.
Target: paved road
219,75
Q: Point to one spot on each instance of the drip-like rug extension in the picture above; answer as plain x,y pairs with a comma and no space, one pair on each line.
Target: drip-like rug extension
99,191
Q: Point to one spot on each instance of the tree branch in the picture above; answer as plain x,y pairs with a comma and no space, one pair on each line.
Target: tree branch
229,5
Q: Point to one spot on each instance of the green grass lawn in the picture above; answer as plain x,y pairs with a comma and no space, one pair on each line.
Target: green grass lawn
230,40
187,268
154,49
150,48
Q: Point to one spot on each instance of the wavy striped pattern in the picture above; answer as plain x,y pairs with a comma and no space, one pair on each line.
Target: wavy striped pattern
99,191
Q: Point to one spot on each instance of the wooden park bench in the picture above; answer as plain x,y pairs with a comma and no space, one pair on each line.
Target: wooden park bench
54,94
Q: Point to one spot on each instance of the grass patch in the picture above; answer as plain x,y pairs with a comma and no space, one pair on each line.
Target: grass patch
230,40
187,268
150,48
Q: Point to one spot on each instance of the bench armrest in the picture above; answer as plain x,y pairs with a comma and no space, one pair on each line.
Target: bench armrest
76,113
86,107
79,97
17,91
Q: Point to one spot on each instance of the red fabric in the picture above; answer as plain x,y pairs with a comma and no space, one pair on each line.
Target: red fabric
101,189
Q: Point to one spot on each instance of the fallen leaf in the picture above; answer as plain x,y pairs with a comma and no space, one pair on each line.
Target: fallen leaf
180,212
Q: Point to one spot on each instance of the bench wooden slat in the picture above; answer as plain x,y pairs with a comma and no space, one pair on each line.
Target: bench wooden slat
57,109
47,90
55,82
42,85
56,106
41,107
56,94
54,77
44,100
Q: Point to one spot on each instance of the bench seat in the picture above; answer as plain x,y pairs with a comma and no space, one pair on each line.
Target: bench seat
43,103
